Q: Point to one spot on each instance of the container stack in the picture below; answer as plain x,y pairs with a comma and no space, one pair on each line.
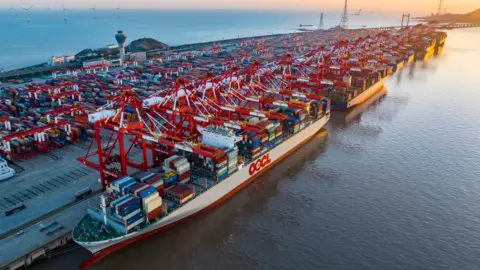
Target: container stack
170,179
154,180
144,191
232,158
180,194
114,204
118,186
269,127
278,133
253,145
128,210
221,167
152,206
179,166
137,187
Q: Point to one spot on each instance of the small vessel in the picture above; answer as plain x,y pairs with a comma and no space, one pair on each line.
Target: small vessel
5,171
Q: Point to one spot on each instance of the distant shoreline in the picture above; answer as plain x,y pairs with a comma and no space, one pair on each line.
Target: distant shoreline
472,17
44,69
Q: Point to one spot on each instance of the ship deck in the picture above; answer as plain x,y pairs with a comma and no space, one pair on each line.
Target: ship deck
90,230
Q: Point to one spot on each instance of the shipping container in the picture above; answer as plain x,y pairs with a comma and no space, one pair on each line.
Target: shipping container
180,194
155,213
144,193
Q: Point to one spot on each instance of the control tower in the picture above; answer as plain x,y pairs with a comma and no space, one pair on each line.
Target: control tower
121,39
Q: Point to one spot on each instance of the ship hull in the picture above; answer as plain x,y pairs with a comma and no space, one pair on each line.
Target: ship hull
207,200
342,106
421,55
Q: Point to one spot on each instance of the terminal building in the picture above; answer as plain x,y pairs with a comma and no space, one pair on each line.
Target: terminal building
58,60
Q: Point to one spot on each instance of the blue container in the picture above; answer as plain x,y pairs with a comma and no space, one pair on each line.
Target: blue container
128,109
128,210
146,192
135,218
222,176
120,200
124,184
127,189
117,180
170,180
129,207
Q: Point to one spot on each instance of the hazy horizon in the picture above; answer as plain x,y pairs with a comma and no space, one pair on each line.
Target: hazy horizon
413,6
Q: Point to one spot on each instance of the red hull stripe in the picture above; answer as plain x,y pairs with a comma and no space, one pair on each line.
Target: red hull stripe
96,257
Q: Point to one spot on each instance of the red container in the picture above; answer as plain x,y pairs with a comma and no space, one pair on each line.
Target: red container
222,159
181,191
183,176
137,191
153,179
133,190
124,203
160,190
172,162
155,213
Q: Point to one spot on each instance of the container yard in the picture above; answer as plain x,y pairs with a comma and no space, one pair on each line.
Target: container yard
194,126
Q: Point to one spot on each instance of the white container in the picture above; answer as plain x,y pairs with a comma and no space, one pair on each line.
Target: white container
151,197
183,168
103,114
152,205
180,162
186,198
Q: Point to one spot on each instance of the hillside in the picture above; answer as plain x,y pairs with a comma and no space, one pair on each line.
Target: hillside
146,44
472,17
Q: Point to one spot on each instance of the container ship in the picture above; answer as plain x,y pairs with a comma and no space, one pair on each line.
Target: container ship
134,208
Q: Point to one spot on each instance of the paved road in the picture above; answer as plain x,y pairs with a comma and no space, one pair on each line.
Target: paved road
15,246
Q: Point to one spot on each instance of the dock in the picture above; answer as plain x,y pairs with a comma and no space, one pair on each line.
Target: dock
38,240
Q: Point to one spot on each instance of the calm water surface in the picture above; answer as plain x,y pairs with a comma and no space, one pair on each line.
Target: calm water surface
23,43
393,185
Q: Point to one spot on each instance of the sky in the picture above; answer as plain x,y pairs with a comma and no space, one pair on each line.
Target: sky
413,6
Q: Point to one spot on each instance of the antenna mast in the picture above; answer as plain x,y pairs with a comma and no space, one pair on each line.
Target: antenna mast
439,11
320,24
344,21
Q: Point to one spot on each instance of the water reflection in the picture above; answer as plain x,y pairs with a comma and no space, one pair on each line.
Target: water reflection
345,119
